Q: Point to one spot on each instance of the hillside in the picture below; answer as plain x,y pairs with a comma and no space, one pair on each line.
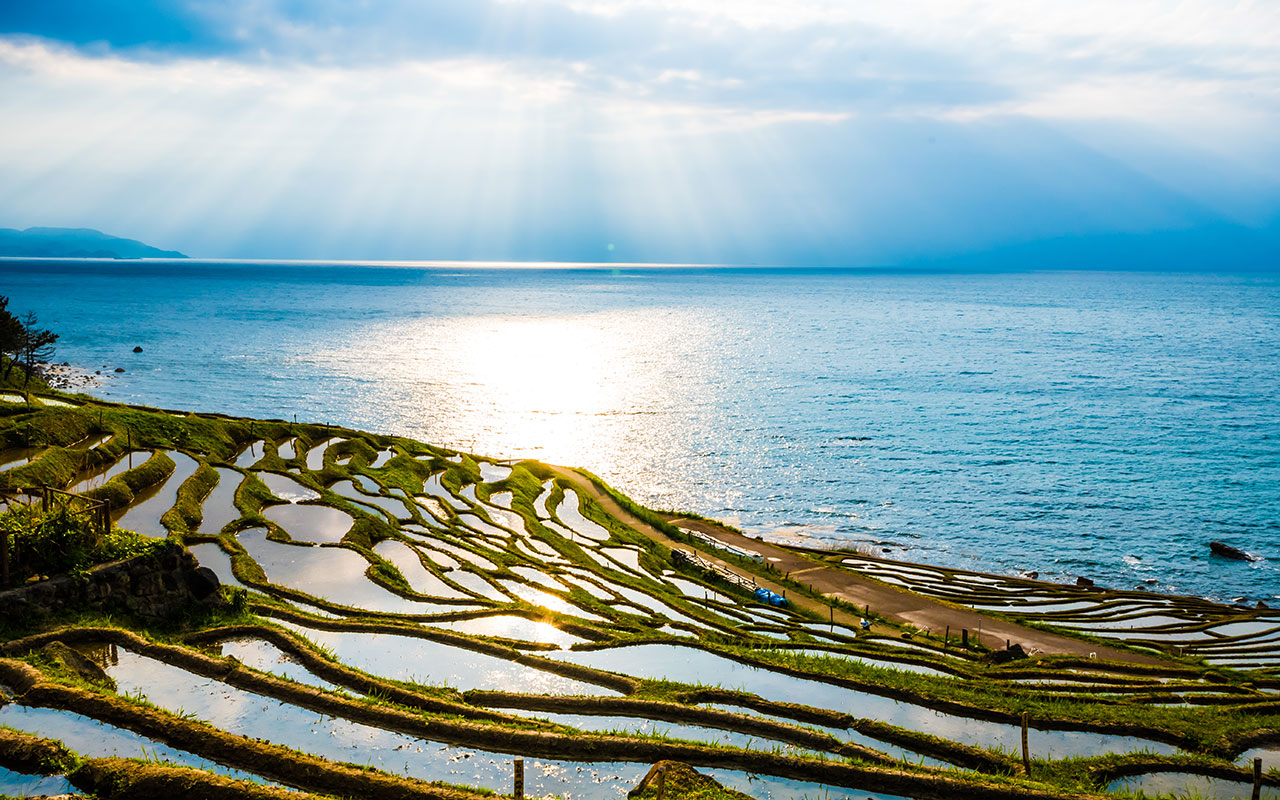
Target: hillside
362,615
74,243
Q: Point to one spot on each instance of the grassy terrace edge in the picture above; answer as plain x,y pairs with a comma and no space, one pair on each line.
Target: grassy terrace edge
216,439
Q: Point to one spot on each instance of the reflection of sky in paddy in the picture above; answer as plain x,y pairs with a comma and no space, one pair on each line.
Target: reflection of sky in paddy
266,657
509,626
319,524
219,507
287,488
251,454
332,573
315,456
248,714
93,739
420,579
406,658
691,665
215,558
99,477
1182,784
143,516
394,508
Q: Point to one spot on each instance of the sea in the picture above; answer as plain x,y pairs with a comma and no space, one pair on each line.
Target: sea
1098,424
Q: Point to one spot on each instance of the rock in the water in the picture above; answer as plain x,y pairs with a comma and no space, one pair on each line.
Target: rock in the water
1083,581
1225,550
119,369
138,349
1032,575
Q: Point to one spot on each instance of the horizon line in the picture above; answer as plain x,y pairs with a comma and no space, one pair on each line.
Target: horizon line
478,264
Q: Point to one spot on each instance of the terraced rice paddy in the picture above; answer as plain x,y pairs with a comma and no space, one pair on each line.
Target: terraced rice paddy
433,616
1236,636
92,738
144,515
95,478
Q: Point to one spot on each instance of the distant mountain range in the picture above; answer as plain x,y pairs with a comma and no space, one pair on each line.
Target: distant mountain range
74,243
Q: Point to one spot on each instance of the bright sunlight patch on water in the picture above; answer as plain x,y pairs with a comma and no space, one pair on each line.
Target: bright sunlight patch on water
568,389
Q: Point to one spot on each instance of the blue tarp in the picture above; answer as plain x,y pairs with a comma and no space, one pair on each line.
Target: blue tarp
769,598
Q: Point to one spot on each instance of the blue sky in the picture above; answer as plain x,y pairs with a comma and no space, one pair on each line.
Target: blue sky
1028,133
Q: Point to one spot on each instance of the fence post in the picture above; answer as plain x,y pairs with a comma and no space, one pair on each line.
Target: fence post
1257,779
1026,755
519,787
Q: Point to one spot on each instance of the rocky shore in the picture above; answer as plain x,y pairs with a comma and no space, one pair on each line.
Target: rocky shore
67,378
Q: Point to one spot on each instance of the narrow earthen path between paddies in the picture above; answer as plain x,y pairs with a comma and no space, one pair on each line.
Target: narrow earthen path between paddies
892,603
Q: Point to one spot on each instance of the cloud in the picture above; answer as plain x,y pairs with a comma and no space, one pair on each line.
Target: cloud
720,131
816,56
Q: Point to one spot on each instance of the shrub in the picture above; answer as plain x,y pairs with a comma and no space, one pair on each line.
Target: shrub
62,540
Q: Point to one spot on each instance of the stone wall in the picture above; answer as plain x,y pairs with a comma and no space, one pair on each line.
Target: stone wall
154,585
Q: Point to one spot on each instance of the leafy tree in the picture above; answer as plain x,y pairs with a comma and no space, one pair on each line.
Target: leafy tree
37,344
12,337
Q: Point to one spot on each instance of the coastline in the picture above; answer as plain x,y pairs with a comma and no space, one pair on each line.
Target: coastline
590,616
968,480
65,377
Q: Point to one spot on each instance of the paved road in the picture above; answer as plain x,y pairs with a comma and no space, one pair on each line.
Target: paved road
890,602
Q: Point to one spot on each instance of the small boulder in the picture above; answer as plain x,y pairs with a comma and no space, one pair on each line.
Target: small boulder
1012,653
138,349
76,663
677,779
1084,582
1032,575
1224,550
202,582
119,369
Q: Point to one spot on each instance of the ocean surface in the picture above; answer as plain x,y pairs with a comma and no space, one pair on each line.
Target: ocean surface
1075,423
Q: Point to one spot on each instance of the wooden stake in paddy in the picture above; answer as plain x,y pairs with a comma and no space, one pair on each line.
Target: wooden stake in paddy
1026,754
1257,779
519,787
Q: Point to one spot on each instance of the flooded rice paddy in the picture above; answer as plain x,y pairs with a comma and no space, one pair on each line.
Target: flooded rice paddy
1184,785
694,666
94,739
429,663
502,582
144,515
1219,633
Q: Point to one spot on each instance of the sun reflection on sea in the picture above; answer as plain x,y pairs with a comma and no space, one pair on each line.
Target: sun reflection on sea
567,389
